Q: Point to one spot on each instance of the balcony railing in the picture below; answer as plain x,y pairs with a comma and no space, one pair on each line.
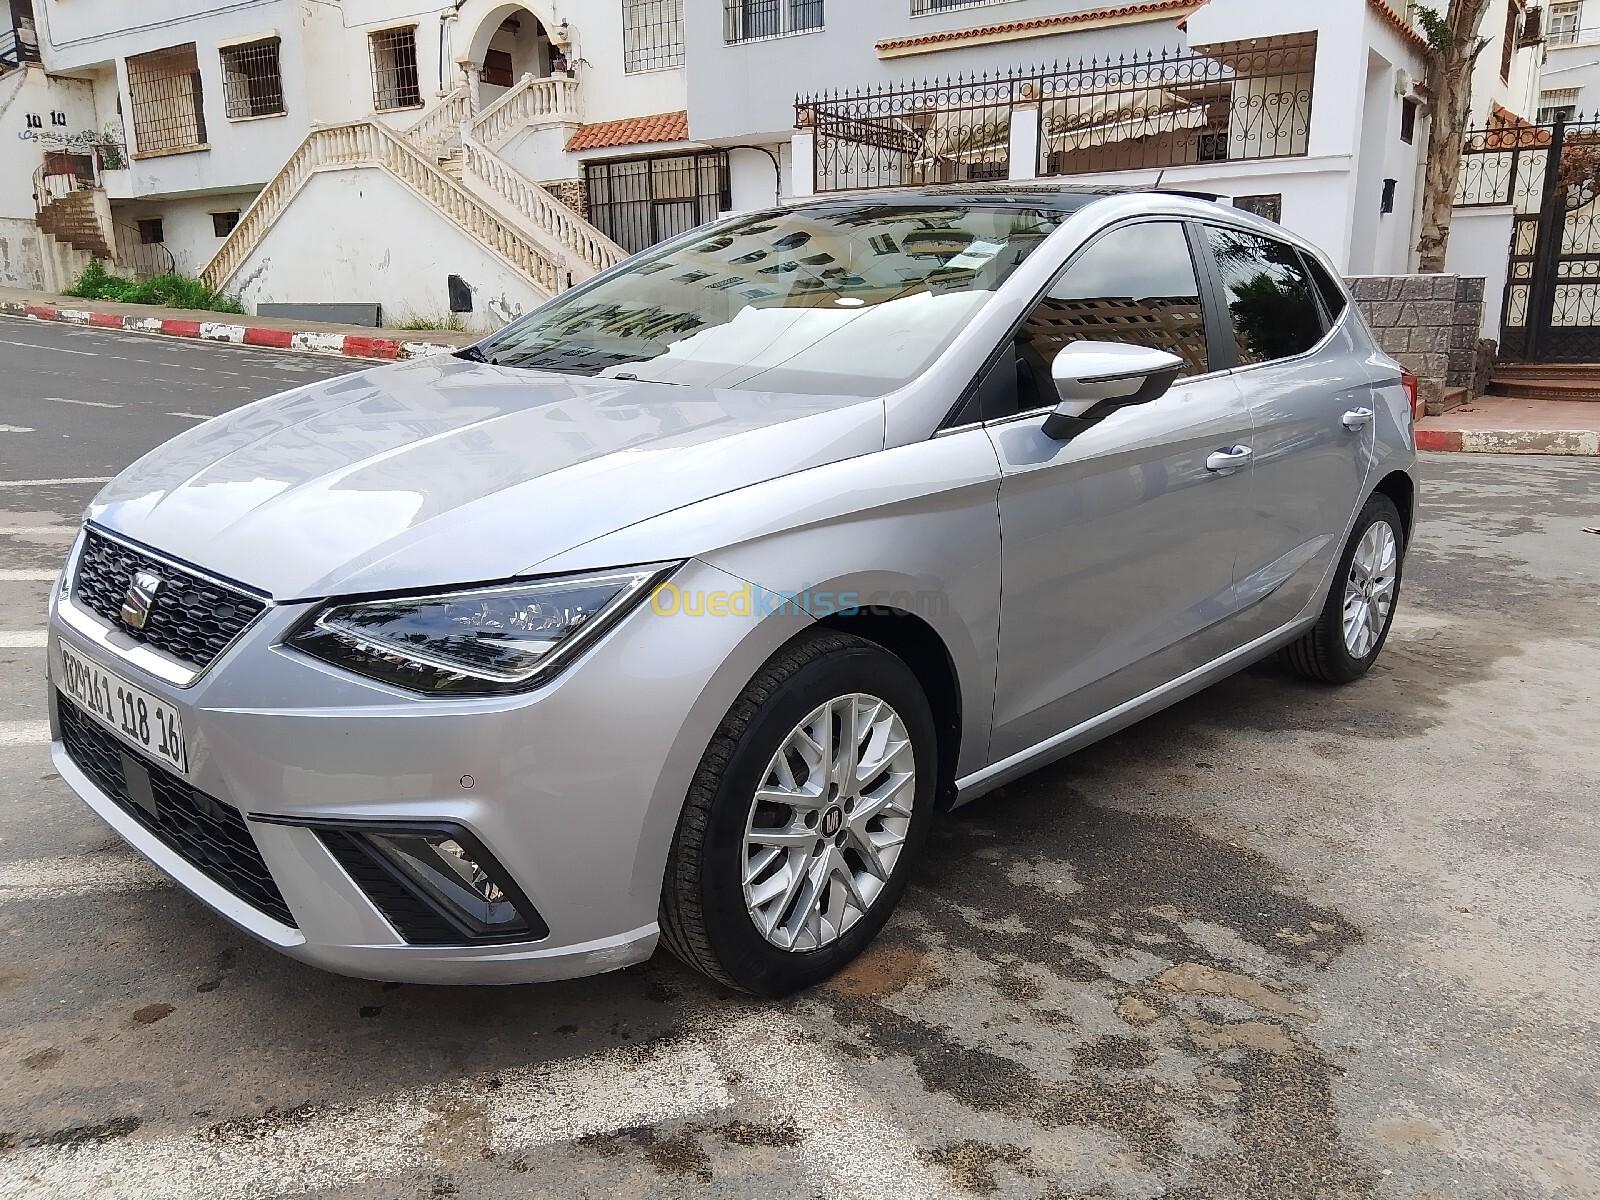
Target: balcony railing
1224,103
16,49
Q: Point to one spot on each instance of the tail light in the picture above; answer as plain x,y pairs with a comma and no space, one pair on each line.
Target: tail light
1413,387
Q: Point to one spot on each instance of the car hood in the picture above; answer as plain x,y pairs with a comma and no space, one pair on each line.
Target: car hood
446,471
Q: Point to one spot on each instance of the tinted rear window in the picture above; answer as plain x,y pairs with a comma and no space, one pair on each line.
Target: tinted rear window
1333,297
1271,296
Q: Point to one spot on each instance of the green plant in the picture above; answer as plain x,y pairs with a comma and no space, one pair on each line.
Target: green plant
169,291
451,322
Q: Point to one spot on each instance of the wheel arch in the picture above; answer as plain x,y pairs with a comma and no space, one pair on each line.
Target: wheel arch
918,644
1402,489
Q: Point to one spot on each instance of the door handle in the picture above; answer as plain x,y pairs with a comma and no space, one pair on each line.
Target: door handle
1357,418
1226,462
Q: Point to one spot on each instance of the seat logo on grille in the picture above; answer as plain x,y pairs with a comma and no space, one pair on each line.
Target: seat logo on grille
140,599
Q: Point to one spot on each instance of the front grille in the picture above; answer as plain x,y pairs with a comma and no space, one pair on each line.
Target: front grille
209,835
193,618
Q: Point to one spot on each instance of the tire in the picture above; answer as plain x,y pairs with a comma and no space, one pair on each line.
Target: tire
1324,653
706,918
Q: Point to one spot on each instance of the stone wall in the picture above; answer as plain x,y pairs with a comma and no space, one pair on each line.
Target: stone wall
574,193
1430,323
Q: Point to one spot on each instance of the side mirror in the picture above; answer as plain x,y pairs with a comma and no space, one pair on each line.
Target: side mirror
1094,379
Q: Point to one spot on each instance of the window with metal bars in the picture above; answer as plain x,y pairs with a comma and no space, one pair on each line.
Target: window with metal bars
921,8
164,93
754,20
652,34
252,85
396,82
641,201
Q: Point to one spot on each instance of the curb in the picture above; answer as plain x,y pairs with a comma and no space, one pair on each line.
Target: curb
1578,442
349,345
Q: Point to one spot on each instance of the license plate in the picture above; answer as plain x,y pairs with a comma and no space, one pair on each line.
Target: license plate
133,714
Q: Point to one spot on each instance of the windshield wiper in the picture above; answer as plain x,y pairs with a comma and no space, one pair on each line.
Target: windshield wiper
473,354
630,377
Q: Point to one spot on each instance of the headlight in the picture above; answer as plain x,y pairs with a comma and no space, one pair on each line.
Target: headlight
485,640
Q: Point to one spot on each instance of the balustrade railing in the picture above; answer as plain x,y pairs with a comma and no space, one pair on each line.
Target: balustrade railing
367,143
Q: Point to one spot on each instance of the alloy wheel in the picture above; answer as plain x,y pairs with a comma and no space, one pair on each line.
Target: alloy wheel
828,822
1369,589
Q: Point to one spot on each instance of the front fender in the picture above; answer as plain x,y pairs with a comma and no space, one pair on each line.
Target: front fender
914,528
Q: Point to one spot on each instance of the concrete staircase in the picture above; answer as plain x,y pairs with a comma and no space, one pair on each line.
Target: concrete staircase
448,158
454,164
73,219
1547,381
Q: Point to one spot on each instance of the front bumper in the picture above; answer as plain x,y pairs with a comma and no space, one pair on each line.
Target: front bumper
574,788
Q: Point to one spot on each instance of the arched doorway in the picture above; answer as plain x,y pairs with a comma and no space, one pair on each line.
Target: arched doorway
511,41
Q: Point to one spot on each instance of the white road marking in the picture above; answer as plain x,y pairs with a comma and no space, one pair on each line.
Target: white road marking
85,403
381,1137
189,416
34,879
14,576
21,639
24,733
17,429
22,483
59,349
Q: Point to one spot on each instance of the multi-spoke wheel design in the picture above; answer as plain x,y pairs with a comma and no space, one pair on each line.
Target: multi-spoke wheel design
828,821
1354,622
805,817
1369,589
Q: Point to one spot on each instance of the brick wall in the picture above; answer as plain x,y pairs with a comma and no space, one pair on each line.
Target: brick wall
1431,324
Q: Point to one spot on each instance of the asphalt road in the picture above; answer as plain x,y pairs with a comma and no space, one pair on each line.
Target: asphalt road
1280,941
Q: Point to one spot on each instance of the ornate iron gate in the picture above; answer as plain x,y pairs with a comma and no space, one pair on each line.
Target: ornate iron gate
1550,175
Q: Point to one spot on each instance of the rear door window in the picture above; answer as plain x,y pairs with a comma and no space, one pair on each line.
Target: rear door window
1271,297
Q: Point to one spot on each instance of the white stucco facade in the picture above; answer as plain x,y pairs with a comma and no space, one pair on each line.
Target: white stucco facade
675,110
1570,81
325,247
1349,181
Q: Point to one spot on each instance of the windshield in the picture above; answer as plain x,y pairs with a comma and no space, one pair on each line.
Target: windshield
843,300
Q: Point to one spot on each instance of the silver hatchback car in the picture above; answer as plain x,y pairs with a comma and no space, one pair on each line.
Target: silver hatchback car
674,611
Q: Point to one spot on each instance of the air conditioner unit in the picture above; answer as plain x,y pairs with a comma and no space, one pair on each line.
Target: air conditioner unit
1404,85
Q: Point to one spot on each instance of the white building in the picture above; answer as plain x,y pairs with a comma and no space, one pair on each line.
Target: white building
1505,80
1570,83
1304,110
479,154
297,151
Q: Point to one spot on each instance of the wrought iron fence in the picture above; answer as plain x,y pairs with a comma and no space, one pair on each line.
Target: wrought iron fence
1504,165
952,132
1549,175
1227,103
1232,103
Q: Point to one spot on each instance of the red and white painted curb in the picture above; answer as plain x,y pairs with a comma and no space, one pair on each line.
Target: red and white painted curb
1580,442
350,345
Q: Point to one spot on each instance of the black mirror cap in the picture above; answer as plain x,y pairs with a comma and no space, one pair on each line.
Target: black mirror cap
1063,427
